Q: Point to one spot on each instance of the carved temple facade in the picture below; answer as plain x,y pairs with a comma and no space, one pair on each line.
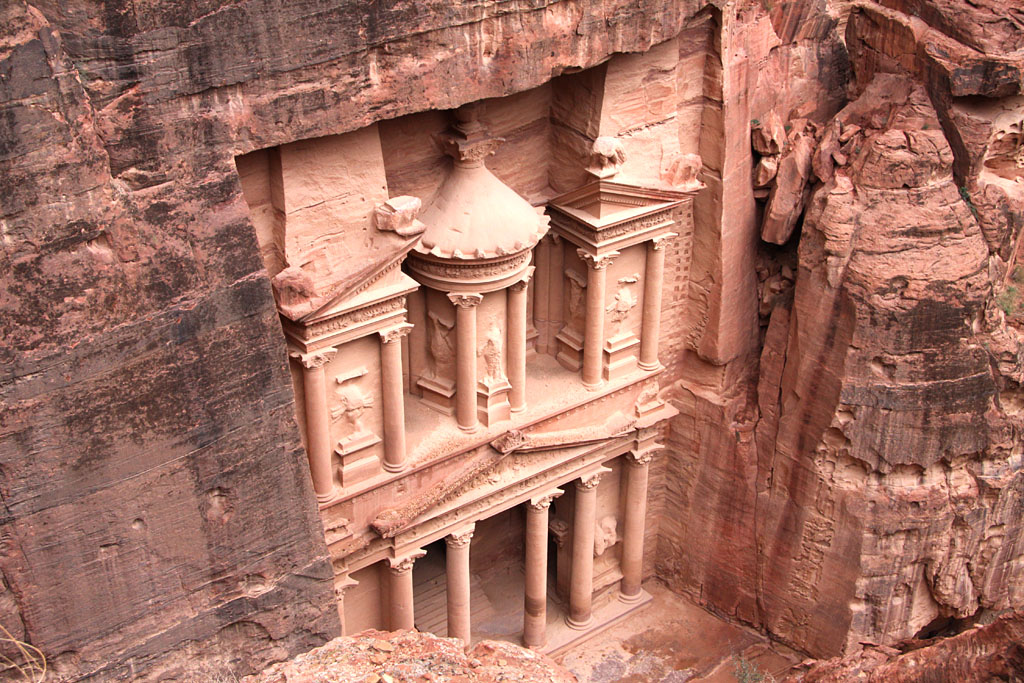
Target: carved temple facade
476,376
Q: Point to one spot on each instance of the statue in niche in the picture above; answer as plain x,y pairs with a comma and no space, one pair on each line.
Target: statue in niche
618,310
350,402
491,353
606,535
442,347
577,305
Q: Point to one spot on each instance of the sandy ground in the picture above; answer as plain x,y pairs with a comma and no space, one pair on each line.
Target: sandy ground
672,641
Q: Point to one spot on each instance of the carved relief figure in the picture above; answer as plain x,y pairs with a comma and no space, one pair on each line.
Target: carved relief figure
606,535
577,304
491,352
624,301
442,346
350,402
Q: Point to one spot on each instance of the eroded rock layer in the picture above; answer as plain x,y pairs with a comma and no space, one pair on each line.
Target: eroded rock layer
840,333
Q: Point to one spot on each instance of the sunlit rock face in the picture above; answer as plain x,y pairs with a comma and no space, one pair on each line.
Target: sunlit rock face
839,326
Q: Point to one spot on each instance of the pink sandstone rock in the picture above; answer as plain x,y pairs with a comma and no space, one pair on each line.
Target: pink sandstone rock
408,656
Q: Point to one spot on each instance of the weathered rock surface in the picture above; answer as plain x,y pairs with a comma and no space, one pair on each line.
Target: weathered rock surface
871,472
846,464
156,506
994,652
408,656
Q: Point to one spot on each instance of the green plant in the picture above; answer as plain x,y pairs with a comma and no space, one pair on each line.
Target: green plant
966,196
32,666
754,123
1009,300
747,672
1018,275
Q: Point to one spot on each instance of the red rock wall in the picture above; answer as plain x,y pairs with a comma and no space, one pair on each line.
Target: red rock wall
846,460
872,485
156,505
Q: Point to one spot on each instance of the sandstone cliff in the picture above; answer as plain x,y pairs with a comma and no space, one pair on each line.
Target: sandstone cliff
841,336
867,484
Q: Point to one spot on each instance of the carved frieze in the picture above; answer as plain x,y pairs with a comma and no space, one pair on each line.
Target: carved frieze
351,318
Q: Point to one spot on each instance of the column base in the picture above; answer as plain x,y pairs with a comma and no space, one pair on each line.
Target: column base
470,429
656,365
395,468
325,498
580,625
631,599
593,387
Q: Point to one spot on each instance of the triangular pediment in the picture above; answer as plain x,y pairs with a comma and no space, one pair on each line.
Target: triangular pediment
498,466
601,203
356,265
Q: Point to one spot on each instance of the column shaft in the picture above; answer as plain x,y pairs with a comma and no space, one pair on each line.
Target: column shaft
535,613
556,289
633,527
654,277
458,585
581,588
465,360
516,330
393,399
402,614
593,336
319,449
541,294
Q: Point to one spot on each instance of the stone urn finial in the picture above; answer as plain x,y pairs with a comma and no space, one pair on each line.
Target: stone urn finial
398,215
606,157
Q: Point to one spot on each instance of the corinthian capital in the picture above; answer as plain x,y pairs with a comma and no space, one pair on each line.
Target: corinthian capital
395,333
400,565
597,262
463,300
662,241
460,538
314,359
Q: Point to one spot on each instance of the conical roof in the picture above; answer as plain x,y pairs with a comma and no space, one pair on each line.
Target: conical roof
476,216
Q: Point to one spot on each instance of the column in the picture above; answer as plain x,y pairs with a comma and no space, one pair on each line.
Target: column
542,293
465,359
393,396
516,333
400,590
535,613
457,574
633,525
341,585
319,450
593,336
654,281
556,290
581,588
